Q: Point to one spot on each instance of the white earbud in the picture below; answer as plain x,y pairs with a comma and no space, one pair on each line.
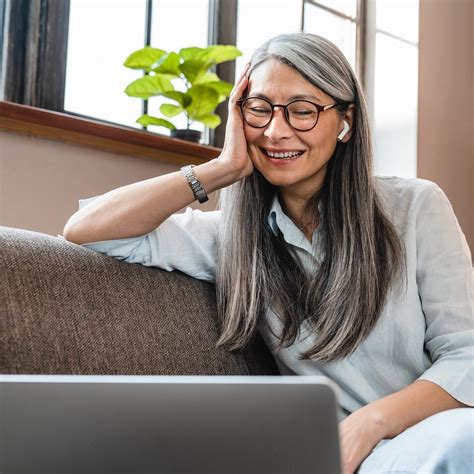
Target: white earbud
344,131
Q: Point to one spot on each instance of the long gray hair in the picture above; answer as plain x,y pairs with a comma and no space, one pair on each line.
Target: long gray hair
363,257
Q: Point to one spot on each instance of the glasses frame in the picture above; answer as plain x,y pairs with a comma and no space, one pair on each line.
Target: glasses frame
320,108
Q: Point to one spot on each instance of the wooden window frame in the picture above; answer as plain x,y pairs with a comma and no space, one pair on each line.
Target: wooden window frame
57,126
35,52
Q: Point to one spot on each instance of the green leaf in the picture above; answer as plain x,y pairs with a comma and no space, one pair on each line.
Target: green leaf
219,53
192,68
144,58
171,110
207,77
147,120
190,53
148,86
167,64
210,120
221,87
205,101
198,60
181,97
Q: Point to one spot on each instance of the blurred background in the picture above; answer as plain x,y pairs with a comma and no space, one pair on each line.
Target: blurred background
414,58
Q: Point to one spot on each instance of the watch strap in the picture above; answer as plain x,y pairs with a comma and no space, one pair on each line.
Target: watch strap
195,185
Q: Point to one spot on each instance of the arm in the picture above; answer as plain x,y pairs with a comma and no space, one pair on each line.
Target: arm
139,208
388,417
444,282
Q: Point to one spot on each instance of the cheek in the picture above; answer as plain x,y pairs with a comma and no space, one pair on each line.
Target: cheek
251,134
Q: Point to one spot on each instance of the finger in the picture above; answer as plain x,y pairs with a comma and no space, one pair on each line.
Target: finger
244,71
238,91
241,77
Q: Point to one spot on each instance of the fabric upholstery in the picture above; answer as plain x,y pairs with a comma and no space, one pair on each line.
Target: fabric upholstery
65,309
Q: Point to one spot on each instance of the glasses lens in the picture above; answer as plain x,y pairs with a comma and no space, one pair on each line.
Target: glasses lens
302,115
257,112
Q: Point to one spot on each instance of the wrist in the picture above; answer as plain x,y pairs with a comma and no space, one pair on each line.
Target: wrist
216,174
377,421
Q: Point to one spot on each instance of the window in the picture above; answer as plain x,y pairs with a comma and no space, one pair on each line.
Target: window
258,20
96,77
379,38
338,22
395,88
97,48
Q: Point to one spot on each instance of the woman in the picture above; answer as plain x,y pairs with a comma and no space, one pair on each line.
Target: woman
366,280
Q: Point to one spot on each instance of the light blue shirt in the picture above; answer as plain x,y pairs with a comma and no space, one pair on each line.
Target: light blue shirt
425,333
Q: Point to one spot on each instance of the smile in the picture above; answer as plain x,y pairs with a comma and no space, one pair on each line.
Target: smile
283,155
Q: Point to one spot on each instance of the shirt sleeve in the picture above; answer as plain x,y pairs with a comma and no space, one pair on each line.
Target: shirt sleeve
185,242
445,284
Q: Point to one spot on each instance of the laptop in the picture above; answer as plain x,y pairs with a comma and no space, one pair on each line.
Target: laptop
168,424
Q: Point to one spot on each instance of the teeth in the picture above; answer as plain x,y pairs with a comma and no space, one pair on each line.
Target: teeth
288,154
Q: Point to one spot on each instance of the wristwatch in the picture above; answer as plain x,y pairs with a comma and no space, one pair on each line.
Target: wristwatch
194,184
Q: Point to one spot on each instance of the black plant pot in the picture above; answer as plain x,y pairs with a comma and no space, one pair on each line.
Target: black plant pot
186,134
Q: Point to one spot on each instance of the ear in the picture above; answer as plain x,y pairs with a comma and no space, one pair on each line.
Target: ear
346,125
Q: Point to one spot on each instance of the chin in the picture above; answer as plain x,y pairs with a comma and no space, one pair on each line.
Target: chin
278,179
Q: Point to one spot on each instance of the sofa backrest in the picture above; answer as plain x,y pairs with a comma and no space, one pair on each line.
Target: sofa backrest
65,309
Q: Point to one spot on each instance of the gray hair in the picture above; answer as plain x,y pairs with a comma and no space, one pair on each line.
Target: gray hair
364,256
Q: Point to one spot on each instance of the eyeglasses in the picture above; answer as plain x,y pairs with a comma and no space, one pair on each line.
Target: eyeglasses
302,115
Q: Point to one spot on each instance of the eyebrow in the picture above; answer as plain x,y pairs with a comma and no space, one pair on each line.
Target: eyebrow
294,97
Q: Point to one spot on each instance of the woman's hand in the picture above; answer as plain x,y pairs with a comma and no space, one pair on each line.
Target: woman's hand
234,152
358,433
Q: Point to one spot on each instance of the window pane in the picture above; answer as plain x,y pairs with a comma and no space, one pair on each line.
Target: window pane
395,107
349,7
341,32
398,17
102,33
171,31
177,24
260,20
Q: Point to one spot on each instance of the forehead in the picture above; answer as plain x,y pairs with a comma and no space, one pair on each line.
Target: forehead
280,82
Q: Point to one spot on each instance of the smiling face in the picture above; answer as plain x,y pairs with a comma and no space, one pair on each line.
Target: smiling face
304,174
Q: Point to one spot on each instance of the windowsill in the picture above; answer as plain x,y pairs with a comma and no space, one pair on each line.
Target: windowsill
102,136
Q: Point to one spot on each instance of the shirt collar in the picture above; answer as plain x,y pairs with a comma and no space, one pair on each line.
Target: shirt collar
278,220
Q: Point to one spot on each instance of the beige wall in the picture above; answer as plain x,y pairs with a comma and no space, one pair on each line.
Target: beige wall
41,180
446,103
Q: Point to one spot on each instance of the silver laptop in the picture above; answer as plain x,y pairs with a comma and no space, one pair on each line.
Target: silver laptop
168,424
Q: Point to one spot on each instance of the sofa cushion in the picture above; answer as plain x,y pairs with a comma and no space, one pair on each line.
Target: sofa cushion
68,310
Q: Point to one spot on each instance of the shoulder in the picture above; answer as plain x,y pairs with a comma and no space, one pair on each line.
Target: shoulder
406,189
408,196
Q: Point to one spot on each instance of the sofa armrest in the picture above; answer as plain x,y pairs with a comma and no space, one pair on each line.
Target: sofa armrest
68,310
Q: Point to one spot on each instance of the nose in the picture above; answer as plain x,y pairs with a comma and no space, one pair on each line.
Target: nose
278,128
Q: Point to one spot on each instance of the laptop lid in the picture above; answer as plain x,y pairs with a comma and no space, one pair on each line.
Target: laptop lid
168,424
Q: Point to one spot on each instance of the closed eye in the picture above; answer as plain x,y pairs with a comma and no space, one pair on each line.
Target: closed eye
259,110
303,112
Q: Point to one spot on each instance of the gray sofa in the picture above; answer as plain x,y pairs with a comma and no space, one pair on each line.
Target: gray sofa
65,309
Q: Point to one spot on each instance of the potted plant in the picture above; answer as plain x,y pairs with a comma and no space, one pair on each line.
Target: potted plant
199,90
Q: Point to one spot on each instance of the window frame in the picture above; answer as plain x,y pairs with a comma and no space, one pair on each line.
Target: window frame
35,52
360,21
